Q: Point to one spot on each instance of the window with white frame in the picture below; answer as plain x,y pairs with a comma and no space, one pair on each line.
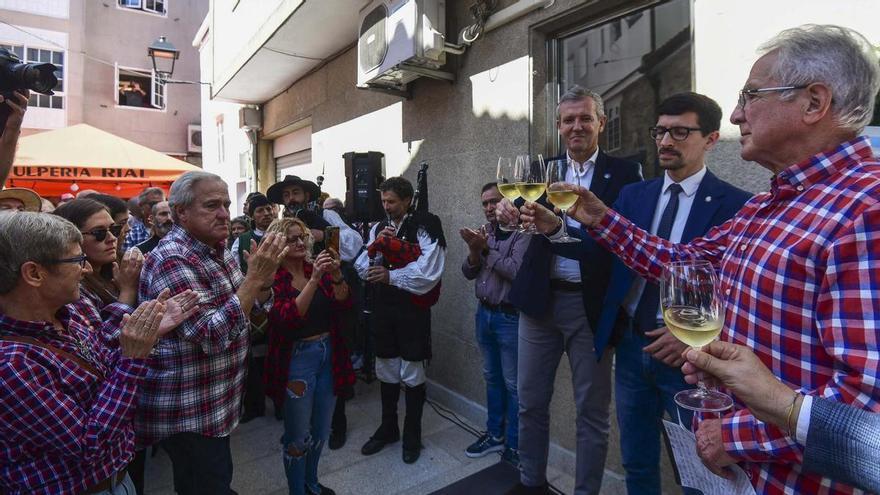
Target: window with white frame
221,140
139,88
153,6
39,56
612,127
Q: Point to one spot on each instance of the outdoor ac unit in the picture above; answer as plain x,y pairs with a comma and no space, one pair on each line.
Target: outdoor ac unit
194,138
399,41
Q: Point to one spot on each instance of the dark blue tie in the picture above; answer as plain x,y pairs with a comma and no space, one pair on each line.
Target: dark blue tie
646,312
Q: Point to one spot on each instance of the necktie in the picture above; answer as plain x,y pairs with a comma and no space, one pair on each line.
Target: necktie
646,312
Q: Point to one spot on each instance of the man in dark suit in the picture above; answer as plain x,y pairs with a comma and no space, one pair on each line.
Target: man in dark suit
559,301
683,204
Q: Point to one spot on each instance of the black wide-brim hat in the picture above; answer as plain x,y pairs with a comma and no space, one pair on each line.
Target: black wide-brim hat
275,190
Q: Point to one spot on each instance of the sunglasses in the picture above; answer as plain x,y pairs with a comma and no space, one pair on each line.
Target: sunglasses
101,234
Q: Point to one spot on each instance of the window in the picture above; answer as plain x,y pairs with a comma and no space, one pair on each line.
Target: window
139,88
632,79
612,128
221,140
152,6
39,56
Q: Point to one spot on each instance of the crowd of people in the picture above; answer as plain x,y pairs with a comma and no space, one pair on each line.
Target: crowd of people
164,321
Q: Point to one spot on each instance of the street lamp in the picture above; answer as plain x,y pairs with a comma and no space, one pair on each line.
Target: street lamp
161,51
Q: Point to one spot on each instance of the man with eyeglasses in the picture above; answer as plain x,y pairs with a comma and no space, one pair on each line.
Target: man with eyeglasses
139,221
799,265
682,204
68,397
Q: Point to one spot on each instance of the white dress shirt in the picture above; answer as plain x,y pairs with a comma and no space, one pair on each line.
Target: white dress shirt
686,198
582,175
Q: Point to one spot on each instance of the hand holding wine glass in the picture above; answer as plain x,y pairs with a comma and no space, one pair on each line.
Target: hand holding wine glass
506,179
531,181
690,297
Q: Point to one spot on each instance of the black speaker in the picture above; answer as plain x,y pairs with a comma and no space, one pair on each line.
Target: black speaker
363,174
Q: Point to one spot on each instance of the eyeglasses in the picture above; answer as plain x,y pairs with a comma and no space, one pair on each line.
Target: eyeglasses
678,133
101,234
747,95
81,260
297,238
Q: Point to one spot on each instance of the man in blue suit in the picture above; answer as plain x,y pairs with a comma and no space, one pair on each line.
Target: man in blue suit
684,203
559,301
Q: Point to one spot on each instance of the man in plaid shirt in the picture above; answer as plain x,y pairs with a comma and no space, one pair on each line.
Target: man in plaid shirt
191,397
800,265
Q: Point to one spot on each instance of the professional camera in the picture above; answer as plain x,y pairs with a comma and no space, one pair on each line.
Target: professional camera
16,75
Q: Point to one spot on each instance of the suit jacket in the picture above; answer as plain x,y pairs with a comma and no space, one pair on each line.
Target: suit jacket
843,443
530,291
715,202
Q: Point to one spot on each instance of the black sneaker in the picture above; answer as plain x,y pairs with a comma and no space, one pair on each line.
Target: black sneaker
486,444
510,456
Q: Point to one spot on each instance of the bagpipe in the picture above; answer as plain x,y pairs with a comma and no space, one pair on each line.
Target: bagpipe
398,252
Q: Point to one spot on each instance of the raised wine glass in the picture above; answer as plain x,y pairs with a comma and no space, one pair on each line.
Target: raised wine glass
690,297
561,194
506,178
531,181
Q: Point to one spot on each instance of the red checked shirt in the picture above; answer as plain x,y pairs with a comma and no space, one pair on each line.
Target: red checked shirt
197,371
62,429
800,269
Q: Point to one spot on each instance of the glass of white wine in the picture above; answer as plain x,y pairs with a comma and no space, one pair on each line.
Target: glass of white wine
531,181
690,297
561,194
506,178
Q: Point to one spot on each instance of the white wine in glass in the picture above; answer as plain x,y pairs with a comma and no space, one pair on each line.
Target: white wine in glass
690,297
505,176
561,194
531,181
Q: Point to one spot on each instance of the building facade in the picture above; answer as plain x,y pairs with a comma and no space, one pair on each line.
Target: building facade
298,63
105,76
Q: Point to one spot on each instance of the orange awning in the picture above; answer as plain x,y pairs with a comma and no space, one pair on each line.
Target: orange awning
82,157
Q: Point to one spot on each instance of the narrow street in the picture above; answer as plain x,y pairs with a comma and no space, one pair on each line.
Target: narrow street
258,468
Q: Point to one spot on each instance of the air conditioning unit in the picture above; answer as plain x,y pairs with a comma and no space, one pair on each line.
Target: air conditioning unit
399,41
194,138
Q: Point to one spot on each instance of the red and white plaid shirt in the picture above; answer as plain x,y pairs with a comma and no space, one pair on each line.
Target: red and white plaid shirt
62,429
800,269
197,371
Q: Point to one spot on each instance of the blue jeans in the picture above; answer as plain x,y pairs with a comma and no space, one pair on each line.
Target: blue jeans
308,411
125,487
497,336
645,388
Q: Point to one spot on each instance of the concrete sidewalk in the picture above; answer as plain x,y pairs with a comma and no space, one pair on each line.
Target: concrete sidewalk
256,453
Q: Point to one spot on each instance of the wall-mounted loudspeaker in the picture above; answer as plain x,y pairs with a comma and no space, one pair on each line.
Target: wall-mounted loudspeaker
363,174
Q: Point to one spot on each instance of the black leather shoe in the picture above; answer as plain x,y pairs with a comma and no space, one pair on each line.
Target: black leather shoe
411,455
337,439
324,491
374,445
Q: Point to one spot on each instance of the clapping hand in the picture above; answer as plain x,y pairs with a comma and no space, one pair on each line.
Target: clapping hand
127,273
140,329
177,309
477,240
263,260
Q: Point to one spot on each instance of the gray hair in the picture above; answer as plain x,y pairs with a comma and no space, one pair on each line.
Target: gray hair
155,208
579,93
839,57
182,194
144,196
37,237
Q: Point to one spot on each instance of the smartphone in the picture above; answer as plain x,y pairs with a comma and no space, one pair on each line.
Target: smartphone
331,238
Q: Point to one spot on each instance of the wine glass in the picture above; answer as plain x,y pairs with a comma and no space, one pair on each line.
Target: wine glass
690,296
531,181
561,194
506,177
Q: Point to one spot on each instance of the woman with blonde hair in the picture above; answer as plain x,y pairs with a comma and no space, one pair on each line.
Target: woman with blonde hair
308,363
